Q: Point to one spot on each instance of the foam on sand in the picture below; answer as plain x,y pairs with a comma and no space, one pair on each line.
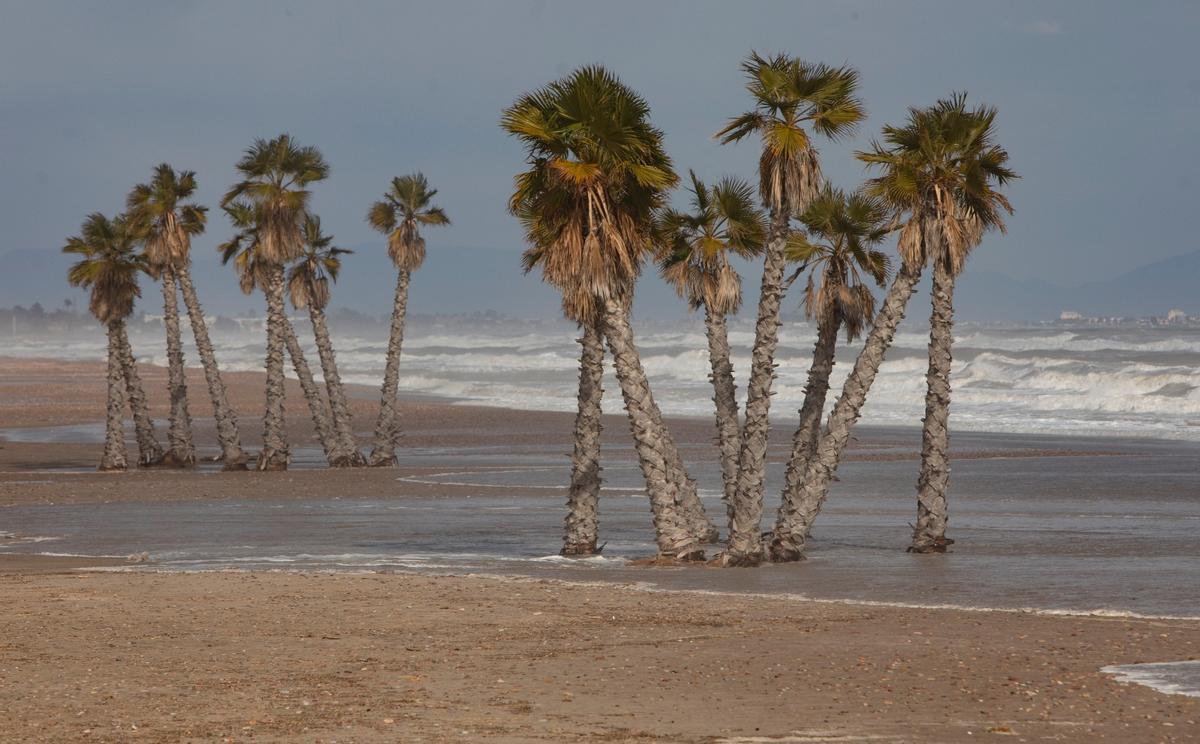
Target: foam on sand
1168,677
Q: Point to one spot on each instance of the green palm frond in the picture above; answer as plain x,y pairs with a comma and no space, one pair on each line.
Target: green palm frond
404,208
108,265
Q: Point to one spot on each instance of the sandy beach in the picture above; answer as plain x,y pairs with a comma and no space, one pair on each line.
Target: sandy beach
89,653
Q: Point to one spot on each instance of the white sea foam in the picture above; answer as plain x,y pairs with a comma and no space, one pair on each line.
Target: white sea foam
1139,382
1169,677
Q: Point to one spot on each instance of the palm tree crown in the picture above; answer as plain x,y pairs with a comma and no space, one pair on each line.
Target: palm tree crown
842,228
275,174
109,265
597,173
400,214
941,168
309,277
696,244
789,94
243,248
162,212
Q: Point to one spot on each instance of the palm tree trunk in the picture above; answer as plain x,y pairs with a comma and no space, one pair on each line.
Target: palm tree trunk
672,533
275,454
387,427
181,451
745,543
788,540
804,442
729,435
115,457
343,424
150,452
312,393
227,427
929,536
687,499
581,528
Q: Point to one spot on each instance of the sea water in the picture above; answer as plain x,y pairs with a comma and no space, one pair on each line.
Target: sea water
1116,381
1115,531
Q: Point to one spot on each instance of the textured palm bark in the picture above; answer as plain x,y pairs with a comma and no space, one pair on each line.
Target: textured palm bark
581,528
788,540
181,451
804,442
929,535
230,440
312,393
729,434
745,542
275,454
114,456
687,497
387,427
673,535
150,452
343,429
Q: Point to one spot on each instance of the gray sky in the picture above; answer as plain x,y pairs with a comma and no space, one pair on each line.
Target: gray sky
1098,105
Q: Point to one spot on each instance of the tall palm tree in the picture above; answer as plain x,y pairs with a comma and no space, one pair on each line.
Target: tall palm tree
597,173
276,175
791,97
309,282
842,230
109,266
966,168
404,209
916,163
244,249
163,209
696,247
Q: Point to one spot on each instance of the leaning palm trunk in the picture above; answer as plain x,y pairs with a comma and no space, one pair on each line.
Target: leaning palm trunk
581,528
181,452
312,395
673,535
745,543
804,442
275,455
729,435
687,498
387,428
343,425
227,428
115,457
929,536
796,518
150,452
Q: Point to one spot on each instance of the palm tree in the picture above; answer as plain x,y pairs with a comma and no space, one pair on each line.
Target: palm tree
162,208
696,247
109,267
404,209
597,174
309,282
789,95
915,182
276,175
966,166
244,249
842,228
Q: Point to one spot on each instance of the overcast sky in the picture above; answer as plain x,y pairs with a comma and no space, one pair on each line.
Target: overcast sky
1099,103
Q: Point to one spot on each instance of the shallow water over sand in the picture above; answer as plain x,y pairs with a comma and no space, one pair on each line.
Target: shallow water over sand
1116,530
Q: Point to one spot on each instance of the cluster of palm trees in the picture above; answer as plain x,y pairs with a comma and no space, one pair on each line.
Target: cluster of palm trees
279,249
594,206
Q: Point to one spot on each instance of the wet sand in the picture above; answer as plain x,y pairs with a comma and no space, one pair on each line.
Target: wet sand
89,654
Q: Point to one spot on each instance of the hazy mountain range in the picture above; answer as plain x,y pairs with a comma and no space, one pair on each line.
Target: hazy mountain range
464,280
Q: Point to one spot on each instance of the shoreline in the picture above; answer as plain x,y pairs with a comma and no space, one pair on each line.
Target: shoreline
94,647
